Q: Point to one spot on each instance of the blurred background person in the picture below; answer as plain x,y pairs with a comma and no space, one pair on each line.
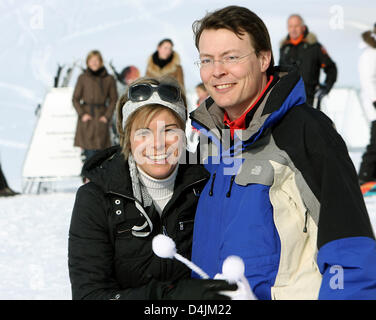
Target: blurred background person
130,74
367,75
165,62
302,48
126,77
201,92
94,99
5,191
191,133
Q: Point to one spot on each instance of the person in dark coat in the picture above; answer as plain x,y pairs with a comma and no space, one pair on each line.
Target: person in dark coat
301,47
128,75
94,99
137,191
5,191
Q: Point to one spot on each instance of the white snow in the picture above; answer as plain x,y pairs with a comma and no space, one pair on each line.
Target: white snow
33,251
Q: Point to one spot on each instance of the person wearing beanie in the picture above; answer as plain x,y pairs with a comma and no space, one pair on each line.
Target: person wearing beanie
367,77
137,191
301,48
165,62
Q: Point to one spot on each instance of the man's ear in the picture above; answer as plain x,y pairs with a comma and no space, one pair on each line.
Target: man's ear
264,58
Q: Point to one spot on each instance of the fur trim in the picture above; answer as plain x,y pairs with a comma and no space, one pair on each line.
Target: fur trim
155,71
310,39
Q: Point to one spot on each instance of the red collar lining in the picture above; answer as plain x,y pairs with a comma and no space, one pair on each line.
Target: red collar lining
239,123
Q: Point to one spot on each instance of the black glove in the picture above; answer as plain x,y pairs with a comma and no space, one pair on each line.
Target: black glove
198,289
321,92
374,104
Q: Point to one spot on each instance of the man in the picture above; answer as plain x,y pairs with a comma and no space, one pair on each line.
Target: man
302,48
367,76
283,192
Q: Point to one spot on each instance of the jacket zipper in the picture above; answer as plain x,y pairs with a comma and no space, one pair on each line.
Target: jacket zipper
122,231
181,224
186,187
305,222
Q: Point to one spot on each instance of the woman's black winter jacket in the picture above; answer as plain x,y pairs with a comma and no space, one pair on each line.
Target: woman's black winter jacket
105,260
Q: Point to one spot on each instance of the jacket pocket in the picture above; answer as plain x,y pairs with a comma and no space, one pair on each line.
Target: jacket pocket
185,224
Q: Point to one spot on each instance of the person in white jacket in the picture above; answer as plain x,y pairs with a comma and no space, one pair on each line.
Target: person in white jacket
367,74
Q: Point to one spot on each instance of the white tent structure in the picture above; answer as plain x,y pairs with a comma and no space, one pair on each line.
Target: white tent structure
51,155
343,106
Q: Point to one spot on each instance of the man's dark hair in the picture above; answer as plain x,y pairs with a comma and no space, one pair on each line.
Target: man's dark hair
239,20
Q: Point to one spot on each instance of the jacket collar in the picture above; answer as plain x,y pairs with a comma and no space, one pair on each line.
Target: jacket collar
102,72
308,37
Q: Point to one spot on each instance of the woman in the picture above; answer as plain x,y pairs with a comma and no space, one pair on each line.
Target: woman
202,93
165,62
94,99
136,191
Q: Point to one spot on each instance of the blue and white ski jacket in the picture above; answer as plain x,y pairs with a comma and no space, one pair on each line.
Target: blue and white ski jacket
284,196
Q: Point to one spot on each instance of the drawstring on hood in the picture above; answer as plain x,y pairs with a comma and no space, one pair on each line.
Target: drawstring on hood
228,194
212,185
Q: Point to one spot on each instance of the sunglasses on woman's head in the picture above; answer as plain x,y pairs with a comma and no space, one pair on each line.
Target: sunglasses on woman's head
143,92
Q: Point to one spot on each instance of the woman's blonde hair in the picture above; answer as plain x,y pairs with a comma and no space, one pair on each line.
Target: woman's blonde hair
92,54
143,116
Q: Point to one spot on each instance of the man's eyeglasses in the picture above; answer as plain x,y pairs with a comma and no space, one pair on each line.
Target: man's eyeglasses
143,92
226,60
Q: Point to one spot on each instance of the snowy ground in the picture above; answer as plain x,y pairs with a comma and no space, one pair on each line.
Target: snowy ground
34,238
